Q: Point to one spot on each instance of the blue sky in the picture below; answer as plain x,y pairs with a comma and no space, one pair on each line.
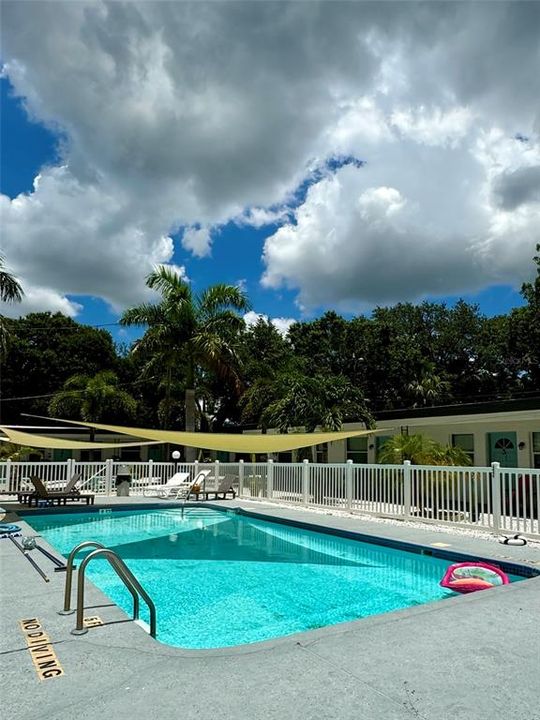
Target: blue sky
257,184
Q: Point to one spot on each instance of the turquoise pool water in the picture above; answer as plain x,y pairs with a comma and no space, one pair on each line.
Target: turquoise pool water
220,579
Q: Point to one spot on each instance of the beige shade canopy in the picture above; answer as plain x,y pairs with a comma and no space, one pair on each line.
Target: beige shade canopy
251,444
18,437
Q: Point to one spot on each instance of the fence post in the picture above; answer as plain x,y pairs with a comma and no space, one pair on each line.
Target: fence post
150,469
8,476
496,494
305,482
240,478
70,469
349,483
108,476
216,474
407,487
270,479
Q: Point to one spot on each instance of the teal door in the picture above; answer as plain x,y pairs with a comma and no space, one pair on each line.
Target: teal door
503,448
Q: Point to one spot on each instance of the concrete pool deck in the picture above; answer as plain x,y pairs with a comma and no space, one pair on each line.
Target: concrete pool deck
467,658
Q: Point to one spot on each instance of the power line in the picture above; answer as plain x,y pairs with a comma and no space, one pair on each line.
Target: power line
75,327
72,392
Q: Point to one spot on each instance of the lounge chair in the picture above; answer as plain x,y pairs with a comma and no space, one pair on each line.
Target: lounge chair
168,488
224,488
184,490
55,497
70,488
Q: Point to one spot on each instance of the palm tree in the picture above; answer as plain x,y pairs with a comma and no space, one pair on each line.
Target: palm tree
10,451
421,450
94,399
433,489
188,333
10,288
10,291
430,388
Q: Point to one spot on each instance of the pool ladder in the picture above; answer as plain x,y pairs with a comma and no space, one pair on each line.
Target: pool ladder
123,572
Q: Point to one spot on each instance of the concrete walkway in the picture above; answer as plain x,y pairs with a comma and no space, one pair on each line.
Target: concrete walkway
468,658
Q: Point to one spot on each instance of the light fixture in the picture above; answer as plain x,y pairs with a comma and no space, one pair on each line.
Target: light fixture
371,446
176,455
521,445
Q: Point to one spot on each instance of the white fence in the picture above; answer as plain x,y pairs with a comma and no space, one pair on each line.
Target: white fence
494,498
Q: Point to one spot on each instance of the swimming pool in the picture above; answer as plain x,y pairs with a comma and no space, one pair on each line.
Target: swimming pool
220,579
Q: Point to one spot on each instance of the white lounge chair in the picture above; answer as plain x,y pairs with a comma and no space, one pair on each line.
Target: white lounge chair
185,489
199,479
172,485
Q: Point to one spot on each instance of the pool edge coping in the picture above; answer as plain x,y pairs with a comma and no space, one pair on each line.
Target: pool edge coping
305,637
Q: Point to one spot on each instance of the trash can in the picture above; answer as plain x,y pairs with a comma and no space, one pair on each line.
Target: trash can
123,481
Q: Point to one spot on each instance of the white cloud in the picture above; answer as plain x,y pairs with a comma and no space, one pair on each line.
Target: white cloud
197,240
356,242
37,299
435,126
281,324
181,115
72,238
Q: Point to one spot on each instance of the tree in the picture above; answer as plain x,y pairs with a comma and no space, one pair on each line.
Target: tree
296,400
187,333
10,291
10,288
421,450
525,324
10,451
45,351
430,388
94,399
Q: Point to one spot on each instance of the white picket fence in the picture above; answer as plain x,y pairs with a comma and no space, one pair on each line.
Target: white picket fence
494,498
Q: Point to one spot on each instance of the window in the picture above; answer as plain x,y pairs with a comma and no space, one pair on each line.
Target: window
357,449
466,443
321,453
536,449
129,454
90,455
284,457
155,453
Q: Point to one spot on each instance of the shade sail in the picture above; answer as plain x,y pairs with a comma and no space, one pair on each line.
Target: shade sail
18,437
252,444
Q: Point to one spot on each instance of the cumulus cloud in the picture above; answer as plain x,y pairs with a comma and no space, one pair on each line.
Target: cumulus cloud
189,115
69,237
357,240
518,187
197,240
281,324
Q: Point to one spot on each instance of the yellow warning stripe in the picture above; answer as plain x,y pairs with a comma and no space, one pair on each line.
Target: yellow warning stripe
41,650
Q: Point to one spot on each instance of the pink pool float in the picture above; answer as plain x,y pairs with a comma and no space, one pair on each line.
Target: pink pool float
469,577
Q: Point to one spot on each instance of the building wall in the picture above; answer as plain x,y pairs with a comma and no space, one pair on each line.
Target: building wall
441,429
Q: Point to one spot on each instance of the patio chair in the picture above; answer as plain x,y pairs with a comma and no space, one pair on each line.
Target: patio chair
183,490
70,488
224,488
55,497
166,489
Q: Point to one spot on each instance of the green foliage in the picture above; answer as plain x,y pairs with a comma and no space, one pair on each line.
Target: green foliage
10,291
10,451
46,350
198,356
296,400
95,399
188,334
10,288
420,450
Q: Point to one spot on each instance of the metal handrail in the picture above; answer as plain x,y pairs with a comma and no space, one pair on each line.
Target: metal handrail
129,580
69,573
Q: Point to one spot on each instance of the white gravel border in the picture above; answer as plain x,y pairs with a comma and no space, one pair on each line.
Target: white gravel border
477,533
